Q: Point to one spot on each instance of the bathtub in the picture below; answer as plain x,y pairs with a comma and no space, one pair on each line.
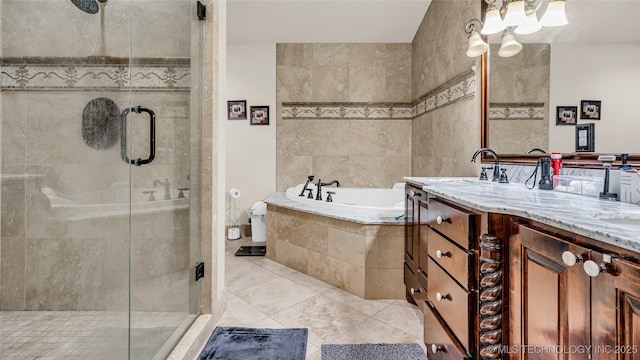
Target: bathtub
360,200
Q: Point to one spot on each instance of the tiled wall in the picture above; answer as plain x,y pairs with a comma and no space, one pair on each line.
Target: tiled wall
443,140
360,147
510,132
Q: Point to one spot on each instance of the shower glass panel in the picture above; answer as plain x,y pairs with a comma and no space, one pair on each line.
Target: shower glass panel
96,254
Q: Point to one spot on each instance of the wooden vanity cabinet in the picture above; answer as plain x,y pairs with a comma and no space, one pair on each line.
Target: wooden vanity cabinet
415,245
555,304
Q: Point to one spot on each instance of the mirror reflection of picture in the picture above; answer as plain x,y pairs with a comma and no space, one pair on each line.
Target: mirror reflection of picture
590,109
237,109
566,115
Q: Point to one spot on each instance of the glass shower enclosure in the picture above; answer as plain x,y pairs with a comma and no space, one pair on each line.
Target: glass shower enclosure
99,149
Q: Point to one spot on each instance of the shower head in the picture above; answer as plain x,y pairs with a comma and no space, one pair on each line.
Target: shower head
88,6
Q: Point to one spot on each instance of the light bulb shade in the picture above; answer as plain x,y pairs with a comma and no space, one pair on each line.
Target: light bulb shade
555,15
493,23
477,46
515,13
510,46
529,26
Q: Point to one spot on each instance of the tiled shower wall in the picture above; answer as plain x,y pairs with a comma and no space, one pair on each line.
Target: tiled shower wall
49,263
359,128
444,139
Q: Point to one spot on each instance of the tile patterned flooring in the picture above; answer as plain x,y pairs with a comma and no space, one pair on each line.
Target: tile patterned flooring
263,293
83,335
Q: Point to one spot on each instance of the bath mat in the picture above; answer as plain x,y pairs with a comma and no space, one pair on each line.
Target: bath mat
372,352
251,251
237,343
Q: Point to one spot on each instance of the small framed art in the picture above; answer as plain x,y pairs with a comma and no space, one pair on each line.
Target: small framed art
259,115
590,109
566,115
237,109
585,137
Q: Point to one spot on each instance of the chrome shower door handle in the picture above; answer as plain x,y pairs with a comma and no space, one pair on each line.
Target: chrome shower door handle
152,136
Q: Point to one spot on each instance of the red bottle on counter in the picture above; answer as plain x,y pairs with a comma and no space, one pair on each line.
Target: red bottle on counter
556,162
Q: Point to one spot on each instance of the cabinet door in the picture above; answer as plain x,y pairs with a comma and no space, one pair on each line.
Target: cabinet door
411,212
549,299
616,312
423,235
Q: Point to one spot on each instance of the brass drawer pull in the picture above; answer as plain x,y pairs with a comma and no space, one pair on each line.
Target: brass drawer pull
441,297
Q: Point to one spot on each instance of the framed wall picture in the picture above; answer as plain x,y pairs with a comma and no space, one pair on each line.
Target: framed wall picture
585,135
237,109
259,115
566,115
590,109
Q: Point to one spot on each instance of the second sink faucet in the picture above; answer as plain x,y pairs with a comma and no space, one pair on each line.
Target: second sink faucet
166,183
496,166
320,184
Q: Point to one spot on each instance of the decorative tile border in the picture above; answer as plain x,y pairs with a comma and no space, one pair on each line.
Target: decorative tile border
35,73
459,88
516,111
351,111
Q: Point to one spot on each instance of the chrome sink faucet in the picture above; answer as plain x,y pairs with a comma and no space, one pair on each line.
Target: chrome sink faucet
320,184
496,166
166,184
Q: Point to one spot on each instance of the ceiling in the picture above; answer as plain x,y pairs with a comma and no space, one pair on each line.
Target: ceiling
324,21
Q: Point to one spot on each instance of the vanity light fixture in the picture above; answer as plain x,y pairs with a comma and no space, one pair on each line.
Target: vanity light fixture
510,46
530,25
516,16
477,46
493,23
555,14
515,13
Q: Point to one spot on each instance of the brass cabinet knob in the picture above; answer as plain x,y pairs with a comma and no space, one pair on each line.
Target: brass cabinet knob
414,291
440,254
437,348
593,269
440,220
441,297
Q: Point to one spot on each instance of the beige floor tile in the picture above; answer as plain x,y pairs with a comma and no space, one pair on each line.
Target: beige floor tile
369,307
268,323
325,318
240,313
246,276
404,316
275,295
272,266
374,331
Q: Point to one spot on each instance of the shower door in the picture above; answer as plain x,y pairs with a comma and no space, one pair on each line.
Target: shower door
97,254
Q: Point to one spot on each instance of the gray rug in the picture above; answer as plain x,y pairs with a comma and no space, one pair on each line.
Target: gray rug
236,343
373,352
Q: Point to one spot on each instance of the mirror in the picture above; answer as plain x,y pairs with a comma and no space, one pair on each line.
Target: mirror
594,58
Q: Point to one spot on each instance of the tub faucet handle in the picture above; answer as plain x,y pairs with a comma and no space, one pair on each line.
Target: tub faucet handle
151,196
329,198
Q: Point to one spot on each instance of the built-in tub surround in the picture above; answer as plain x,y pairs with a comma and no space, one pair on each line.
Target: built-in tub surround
582,215
358,252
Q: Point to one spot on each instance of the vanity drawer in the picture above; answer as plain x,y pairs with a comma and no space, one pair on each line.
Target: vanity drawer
458,225
418,293
441,345
453,259
453,303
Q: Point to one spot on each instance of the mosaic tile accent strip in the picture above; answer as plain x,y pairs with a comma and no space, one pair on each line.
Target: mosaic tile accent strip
516,111
95,73
458,88
350,111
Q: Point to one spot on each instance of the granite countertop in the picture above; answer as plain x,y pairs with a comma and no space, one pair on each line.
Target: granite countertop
280,199
582,215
